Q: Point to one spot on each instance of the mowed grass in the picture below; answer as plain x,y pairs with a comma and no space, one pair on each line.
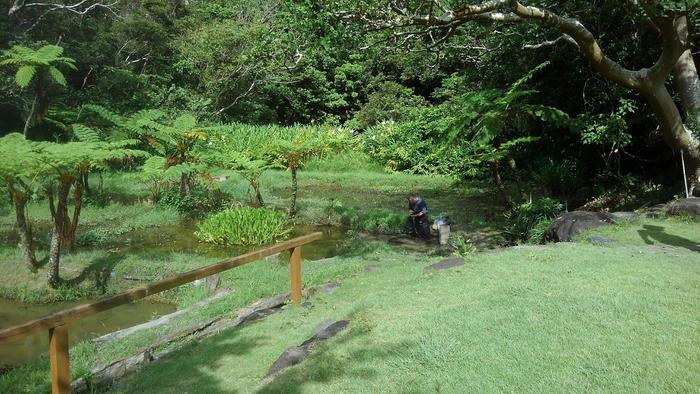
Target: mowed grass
571,317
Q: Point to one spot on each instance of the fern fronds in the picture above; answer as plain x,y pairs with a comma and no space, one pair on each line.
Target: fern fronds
86,134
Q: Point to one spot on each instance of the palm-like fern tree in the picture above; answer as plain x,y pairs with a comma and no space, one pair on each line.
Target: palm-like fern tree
174,145
19,174
41,66
495,122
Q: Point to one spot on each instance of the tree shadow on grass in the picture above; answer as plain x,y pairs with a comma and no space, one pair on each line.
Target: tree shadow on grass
650,233
99,271
323,366
197,365
193,368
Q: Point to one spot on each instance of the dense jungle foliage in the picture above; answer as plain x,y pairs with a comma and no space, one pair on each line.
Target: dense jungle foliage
173,89
264,62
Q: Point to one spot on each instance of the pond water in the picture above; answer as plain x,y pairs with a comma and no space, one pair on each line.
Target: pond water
165,239
30,347
179,238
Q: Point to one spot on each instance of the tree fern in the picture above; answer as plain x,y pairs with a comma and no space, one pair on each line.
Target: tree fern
57,76
39,65
85,134
24,75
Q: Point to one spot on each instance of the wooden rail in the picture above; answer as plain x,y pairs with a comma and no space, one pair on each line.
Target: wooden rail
56,322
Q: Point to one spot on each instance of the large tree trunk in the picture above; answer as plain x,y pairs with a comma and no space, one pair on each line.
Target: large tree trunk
66,227
688,86
671,125
63,229
25,231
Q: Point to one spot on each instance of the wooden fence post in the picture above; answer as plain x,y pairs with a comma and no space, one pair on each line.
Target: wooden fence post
295,274
58,354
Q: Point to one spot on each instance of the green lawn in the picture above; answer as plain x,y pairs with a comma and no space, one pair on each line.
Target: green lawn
566,317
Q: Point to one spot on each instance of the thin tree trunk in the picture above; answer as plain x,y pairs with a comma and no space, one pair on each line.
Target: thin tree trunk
42,96
54,256
63,222
516,174
85,178
499,181
295,188
258,197
28,122
25,231
100,184
77,206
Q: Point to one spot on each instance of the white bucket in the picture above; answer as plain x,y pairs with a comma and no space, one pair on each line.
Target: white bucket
443,233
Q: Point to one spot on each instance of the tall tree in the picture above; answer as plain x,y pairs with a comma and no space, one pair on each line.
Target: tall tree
40,66
437,21
63,165
19,172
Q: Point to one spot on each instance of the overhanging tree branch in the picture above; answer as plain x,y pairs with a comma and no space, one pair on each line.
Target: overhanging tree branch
81,8
431,17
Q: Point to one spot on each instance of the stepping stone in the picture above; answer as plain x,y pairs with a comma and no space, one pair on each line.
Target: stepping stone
296,354
328,288
601,241
625,216
371,267
452,262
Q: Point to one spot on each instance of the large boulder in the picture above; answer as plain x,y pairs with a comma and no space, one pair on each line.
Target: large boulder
567,225
687,206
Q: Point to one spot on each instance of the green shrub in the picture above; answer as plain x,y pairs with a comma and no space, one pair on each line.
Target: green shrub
372,220
243,226
463,247
528,222
96,198
200,201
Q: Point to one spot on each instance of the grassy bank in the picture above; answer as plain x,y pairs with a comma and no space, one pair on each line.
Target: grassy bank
579,317
565,317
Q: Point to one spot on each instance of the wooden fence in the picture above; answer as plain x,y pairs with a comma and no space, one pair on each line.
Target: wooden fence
56,323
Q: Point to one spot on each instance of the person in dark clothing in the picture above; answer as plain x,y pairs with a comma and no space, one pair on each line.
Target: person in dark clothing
417,223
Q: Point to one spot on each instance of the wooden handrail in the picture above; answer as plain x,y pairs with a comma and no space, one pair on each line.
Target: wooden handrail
77,312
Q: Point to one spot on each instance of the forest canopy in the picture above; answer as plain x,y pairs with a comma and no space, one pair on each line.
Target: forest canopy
407,74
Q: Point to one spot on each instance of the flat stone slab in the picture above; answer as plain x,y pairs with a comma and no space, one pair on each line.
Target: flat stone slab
625,216
601,241
296,354
452,262
371,267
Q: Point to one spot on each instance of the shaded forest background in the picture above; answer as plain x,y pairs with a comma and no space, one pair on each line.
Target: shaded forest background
302,62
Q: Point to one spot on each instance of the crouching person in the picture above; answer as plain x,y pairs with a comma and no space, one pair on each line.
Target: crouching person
417,223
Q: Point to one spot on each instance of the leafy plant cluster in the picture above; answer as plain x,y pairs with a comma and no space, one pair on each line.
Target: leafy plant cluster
244,226
372,220
198,203
528,222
